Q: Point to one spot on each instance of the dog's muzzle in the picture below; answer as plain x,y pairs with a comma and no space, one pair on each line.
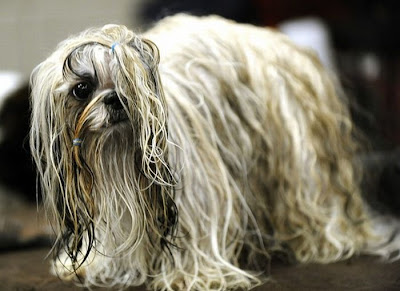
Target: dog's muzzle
115,107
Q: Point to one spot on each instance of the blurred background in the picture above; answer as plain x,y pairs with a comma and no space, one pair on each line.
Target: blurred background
30,30
358,39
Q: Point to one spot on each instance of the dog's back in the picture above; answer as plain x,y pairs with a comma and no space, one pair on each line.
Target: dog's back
267,122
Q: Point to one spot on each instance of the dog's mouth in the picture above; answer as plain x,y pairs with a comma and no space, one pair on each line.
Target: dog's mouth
117,117
115,107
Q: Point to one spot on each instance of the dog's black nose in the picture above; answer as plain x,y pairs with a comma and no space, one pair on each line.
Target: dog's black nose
112,100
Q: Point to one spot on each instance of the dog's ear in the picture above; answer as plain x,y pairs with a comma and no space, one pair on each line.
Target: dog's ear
155,166
150,57
50,141
151,53
136,77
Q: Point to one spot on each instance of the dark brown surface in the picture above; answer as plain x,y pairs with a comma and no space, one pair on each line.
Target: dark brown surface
28,270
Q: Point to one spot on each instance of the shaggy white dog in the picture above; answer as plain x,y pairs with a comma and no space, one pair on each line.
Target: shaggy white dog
186,156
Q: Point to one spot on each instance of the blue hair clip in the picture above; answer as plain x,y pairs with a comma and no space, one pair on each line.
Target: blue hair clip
76,142
113,46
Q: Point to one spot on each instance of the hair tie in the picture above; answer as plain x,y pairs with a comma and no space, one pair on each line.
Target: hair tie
113,46
76,142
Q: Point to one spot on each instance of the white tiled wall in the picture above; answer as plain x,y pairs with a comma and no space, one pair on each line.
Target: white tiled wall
30,29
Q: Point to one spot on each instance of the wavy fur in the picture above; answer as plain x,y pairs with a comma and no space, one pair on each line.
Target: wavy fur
237,144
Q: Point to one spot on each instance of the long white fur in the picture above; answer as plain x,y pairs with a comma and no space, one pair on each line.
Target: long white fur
259,145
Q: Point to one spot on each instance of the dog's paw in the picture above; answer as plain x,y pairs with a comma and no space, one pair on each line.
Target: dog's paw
64,268
66,271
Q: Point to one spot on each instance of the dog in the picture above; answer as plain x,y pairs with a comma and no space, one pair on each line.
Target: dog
186,156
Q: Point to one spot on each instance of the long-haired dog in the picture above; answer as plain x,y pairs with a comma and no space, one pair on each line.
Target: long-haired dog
184,157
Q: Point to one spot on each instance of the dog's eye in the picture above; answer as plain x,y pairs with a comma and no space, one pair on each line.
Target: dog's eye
82,91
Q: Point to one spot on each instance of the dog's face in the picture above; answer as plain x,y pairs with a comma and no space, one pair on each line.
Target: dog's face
89,72
88,78
99,139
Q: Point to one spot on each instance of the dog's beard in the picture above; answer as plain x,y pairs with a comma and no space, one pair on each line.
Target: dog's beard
115,168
